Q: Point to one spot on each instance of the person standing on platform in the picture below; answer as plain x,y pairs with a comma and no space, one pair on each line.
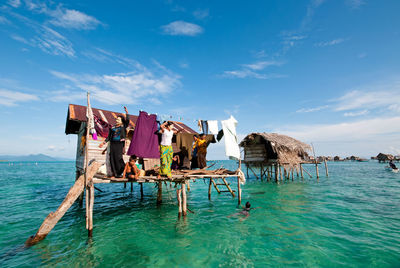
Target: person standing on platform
166,150
116,137
201,145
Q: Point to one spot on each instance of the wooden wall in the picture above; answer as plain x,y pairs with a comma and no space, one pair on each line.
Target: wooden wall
255,153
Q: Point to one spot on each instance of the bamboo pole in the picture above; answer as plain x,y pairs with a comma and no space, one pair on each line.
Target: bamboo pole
326,168
141,190
239,192
159,193
316,169
184,200
280,171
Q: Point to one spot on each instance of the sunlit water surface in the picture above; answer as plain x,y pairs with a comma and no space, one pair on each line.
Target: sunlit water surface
350,219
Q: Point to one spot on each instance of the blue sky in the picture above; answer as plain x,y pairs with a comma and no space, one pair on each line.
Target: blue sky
322,71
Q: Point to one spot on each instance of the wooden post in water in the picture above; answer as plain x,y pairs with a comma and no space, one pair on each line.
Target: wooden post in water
188,185
178,195
141,190
159,193
131,186
276,172
301,172
91,204
209,189
184,200
51,220
239,192
316,169
326,167
280,171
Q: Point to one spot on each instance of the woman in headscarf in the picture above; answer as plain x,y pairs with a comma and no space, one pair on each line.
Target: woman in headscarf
116,137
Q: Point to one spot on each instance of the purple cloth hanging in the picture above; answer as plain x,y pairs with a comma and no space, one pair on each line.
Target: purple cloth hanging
101,127
145,139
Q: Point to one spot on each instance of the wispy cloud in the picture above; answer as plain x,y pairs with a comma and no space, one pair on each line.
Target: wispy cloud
11,97
73,19
14,3
105,56
330,43
380,133
359,113
130,87
314,109
252,70
182,28
355,3
201,13
4,20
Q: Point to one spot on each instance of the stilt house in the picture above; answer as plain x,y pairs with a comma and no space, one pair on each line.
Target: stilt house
76,124
267,150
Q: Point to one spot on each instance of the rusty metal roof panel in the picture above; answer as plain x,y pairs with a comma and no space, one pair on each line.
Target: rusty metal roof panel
77,114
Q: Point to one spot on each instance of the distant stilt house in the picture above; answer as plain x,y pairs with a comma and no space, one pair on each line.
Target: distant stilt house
384,157
275,154
76,124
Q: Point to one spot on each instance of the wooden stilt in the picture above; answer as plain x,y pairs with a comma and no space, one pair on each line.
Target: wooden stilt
292,168
215,186
87,205
306,171
276,172
179,197
316,169
229,188
184,203
301,172
209,189
247,170
131,186
326,168
91,204
141,190
280,172
159,193
239,192
261,172
124,185
253,172
188,185
52,219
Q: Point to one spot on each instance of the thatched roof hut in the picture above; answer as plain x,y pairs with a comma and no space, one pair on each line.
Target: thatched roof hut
384,157
264,148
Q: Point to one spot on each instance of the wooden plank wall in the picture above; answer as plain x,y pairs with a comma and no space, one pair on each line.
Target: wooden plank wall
255,153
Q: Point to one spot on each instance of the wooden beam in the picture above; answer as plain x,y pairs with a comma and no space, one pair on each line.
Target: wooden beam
215,186
209,189
179,197
326,167
51,220
229,188
159,193
141,190
184,200
91,204
239,191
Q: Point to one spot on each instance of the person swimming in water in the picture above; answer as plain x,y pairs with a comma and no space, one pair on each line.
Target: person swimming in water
392,165
245,212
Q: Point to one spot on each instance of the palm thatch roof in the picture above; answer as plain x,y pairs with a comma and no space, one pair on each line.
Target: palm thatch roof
284,149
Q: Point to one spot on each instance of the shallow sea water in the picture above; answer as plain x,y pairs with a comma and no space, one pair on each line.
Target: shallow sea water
350,219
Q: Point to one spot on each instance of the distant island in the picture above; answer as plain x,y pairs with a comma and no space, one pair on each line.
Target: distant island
31,157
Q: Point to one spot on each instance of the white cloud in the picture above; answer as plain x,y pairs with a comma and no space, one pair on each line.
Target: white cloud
365,137
358,99
359,113
201,14
252,71
182,28
120,88
19,39
355,3
11,98
314,109
73,19
330,43
14,3
4,20
260,65
52,42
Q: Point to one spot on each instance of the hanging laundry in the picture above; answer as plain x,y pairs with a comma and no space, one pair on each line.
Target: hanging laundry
101,126
220,135
231,143
204,126
145,139
200,126
90,121
213,126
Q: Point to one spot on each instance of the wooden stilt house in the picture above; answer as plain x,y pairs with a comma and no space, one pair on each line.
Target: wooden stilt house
76,124
274,154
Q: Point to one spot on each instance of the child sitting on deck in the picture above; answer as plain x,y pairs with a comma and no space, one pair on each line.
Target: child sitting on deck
131,171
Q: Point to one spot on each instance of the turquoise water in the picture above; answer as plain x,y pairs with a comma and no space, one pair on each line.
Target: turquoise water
350,219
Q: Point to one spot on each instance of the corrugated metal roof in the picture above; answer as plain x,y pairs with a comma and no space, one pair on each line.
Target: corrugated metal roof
77,114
